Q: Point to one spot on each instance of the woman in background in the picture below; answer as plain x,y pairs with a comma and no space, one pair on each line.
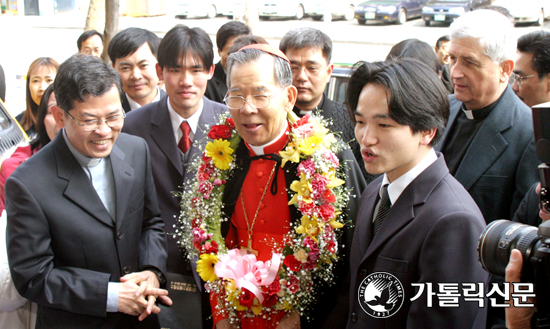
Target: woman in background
40,75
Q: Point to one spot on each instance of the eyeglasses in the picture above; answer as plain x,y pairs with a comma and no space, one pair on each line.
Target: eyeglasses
514,77
258,101
310,70
91,125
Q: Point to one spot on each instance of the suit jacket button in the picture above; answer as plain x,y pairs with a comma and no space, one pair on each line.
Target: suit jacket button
119,235
126,269
363,272
354,317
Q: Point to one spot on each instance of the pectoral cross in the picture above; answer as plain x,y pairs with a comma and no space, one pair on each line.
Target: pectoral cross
249,249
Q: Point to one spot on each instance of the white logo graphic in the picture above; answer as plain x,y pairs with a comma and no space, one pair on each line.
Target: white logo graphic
381,295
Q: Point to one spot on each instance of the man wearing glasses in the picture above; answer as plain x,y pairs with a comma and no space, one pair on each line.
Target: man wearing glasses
309,51
85,238
530,80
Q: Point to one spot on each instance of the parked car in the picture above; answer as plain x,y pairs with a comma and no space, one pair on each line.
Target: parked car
11,134
394,11
209,9
526,11
338,83
284,8
338,9
447,11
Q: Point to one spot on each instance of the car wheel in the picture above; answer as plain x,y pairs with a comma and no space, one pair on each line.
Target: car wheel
181,16
350,13
540,20
402,17
361,21
317,18
264,18
299,12
211,13
427,23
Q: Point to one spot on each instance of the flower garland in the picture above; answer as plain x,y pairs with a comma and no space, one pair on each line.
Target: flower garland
286,282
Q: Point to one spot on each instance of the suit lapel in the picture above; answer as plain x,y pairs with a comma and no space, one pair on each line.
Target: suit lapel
488,144
79,187
163,134
452,117
123,176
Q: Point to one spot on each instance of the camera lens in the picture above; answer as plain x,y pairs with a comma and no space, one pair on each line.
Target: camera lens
497,241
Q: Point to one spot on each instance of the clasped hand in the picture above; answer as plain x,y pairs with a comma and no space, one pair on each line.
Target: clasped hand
138,293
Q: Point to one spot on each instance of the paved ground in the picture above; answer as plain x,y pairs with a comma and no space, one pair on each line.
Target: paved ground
27,37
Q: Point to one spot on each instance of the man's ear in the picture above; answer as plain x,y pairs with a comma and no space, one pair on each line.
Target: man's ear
427,136
506,70
292,94
330,68
58,115
211,71
159,71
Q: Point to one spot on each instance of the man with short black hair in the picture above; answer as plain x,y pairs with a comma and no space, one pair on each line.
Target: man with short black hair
175,129
133,54
217,86
90,43
442,51
310,52
85,238
409,215
530,80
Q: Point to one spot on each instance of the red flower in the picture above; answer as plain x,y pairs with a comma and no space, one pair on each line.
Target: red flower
246,298
203,176
230,123
293,284
327,211
301,121
274,287
329,197
270,300
211,247
306,208
219,132
292,263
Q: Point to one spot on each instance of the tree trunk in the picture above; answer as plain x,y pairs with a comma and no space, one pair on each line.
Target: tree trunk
251,16
111,25
96,16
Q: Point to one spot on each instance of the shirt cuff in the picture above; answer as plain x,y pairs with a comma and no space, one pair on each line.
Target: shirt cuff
112,297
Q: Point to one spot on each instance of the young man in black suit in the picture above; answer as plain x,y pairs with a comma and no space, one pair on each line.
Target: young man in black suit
176,129
416,224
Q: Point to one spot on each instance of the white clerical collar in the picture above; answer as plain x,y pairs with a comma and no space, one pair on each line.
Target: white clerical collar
400,184
259,150
177,119
82,159
134,105
469,114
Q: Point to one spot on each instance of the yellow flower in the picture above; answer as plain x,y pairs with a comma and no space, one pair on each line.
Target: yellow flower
302,189
220,152
333,181
301,255
256,306
309,145
205,267
290,154
309,226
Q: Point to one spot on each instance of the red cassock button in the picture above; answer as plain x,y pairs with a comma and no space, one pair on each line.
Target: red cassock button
260,174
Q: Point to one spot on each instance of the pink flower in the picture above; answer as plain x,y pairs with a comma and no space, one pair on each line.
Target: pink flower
319,185
301,121
330,156
203,176
206,188
327,212
307,167
218,182
304,131
307,208
312,245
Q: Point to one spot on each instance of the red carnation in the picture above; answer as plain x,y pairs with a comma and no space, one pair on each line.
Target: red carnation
329,197
270,300
292,263
327,212
211,247
219,132
246,298
230,123
301,121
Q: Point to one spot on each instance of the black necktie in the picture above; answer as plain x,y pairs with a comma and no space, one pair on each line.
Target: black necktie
383,209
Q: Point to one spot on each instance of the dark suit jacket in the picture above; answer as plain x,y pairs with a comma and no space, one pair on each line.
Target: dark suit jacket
217,86
429,235
500,165
126,104
152,123
63,245
330,295
528,211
